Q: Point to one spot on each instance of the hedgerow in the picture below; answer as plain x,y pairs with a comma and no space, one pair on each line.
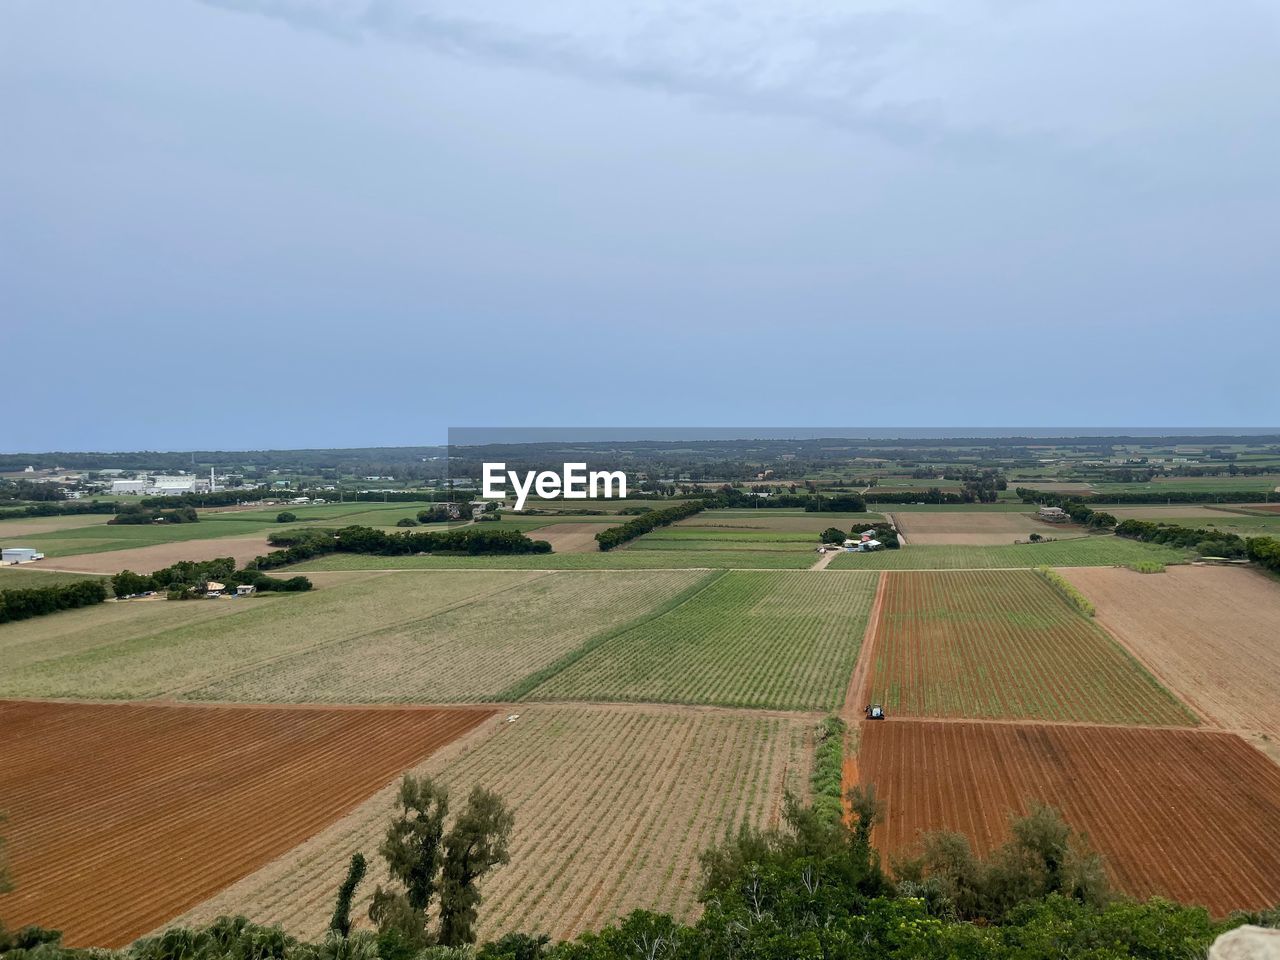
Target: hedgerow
615,536
1068,590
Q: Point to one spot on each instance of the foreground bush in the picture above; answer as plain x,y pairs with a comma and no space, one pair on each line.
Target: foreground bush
38,601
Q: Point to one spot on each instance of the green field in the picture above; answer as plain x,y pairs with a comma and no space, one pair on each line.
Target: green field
770,640
20,578
629,558
466,652
1082,552
179,648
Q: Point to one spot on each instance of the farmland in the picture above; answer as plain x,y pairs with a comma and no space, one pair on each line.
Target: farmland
25,577
630,557
1004,644
751,639
1082,552
1151,801
1210,633
773,520
671,780
466,652
190,655
163,812
978,529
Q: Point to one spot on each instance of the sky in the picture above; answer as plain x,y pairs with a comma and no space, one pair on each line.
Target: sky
284,223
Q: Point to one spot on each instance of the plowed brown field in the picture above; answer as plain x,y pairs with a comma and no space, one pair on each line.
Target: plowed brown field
979,529
1191,815
122,816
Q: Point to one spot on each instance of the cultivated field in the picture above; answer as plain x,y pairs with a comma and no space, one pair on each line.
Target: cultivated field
571,537
121,816
778,640
156,556
34,575
469,651
1004,644
624,558
1187,814
977,529
673,538
1212,634
773,520
612,807
260,630
1082,552
27,526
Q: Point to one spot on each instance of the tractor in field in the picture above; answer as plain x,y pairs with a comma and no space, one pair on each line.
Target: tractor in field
875,711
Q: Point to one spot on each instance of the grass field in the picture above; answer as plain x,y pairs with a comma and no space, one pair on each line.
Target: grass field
778,640
194,653
122,815
772,520
1004,645
25,577
628,558
1082,552
473,651
612,807
1186,814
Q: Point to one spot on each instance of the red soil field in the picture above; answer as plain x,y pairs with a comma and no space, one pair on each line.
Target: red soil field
1191,815
124,815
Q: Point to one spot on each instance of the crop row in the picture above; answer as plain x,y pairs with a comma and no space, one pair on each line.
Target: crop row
785,640
1005,644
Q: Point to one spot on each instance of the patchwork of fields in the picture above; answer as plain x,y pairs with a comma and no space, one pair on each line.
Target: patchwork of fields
612,807
122,816
664,692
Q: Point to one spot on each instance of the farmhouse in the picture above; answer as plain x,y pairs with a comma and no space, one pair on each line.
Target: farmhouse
244,589
11,555
213,589
1053,515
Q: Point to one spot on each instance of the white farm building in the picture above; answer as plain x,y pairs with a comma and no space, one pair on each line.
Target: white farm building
19,555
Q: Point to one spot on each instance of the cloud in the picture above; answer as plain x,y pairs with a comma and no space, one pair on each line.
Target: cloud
815,61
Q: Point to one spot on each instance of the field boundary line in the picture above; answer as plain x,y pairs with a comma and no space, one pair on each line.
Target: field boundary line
529,684
1152,671
280,658
861,677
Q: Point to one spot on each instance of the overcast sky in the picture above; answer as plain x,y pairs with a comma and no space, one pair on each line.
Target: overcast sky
244,223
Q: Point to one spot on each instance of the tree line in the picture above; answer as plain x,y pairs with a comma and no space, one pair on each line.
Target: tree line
38,601
1031,495
140,513
58,508
299,545
645,522
187,578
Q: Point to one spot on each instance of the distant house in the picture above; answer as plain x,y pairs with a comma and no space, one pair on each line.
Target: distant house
1053,515
244,589
20,555
213,589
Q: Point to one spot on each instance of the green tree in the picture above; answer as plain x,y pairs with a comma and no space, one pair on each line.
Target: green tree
340,923
833,535
286,517
411,849
477,842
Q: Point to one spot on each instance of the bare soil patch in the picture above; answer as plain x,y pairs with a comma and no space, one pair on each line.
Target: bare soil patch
571,537
1212,634
978,529
156,556
123,815
1190,815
